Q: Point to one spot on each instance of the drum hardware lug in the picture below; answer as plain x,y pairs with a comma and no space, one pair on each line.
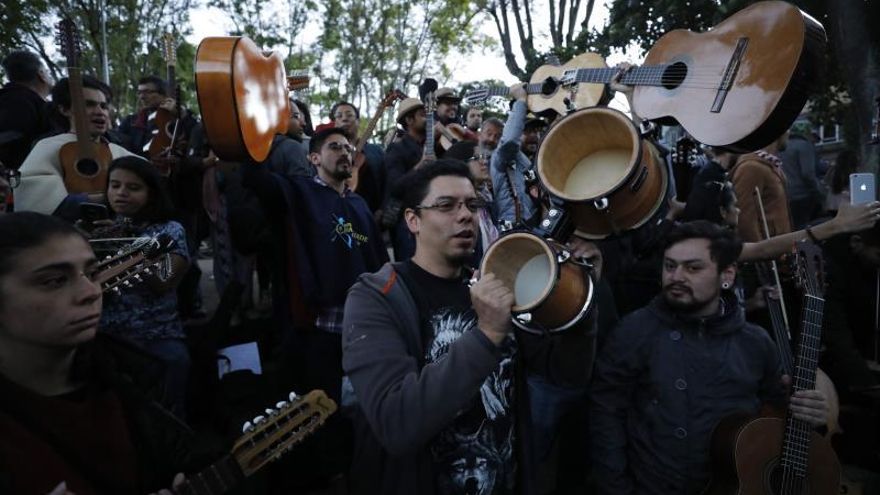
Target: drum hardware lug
556,224
601,204
563,256
505,226
639,181
647,128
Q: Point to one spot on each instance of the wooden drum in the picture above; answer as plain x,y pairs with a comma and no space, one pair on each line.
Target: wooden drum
609,177
552,290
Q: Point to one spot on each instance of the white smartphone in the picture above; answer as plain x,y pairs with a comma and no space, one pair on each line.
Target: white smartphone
862,188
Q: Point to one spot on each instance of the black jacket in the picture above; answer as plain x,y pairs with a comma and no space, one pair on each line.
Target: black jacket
24,118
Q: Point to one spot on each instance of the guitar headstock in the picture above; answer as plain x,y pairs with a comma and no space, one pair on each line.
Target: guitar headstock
298,80
810,268
138,258
68,40
392,97
686,151
426,94
268,437
168,48
476,96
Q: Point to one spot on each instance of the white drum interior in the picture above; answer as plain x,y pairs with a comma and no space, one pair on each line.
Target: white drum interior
532,281
598,173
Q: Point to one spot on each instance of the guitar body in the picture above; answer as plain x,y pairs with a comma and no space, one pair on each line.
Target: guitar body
242,97
83,174
781,60
585,94
450,134
745,454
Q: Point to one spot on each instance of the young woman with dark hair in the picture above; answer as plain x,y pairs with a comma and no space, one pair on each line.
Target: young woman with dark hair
73,414
147,314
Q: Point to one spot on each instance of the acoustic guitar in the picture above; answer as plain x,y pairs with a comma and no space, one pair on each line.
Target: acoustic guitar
546,89
242,96
426,94
777,456
165,135
265,439
738,86
360,158
84,162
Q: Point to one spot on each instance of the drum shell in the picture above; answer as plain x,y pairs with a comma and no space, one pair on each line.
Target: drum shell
565,292
633,180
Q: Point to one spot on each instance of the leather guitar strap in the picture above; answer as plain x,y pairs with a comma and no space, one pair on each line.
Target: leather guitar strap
517,206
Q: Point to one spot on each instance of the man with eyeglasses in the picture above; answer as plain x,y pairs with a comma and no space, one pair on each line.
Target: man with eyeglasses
42,186
435,368
372,179
289,154
331,239
138,128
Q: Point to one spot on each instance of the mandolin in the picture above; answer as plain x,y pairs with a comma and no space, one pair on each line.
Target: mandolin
265,439
242,95
775,456
738,86
84,162
360,159
546,89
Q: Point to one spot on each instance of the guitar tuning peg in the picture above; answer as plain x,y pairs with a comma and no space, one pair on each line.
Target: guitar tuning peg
148,271
115,290
259,419
271,412
108,257
282,405
247,427
137,277
292,396
126,284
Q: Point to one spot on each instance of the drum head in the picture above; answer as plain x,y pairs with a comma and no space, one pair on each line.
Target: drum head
525,264
588,154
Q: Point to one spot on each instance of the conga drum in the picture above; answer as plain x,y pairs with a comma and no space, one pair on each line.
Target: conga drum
610,178
553,291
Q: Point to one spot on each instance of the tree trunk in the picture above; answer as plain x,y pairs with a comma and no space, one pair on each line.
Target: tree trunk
857,54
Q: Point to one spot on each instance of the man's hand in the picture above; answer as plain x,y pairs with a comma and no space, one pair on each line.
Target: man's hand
581,248
518,92
808,405
170,105
178,482
492,302
853,218
616,85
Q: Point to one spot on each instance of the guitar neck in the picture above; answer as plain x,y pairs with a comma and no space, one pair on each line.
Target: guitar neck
796,445
218,478
78,107
651,75
428,152
371,126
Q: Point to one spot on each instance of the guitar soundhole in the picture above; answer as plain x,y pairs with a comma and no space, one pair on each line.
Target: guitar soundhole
674,75
88,168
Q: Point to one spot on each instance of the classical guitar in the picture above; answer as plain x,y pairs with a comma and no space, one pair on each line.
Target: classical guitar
449,134
738,86
84,162
165,134
360,159
684,158
548,92
777,456
265,439
242,96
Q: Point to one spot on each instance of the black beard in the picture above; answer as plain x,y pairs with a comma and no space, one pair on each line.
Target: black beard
688,308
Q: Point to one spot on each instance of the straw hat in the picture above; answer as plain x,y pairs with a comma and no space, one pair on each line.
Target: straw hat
406,106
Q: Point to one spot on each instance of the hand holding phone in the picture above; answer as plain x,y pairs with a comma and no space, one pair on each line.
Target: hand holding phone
862,188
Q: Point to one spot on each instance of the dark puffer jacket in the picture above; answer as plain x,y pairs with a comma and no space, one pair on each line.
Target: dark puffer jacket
661,385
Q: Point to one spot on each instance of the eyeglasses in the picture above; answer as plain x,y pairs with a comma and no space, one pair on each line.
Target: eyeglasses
337,147
340,115
449,205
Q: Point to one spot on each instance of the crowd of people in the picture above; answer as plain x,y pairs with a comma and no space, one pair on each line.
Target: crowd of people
374,295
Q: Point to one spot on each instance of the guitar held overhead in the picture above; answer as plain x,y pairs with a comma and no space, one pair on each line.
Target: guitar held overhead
738,86
242,97
359,158
84,162
546,89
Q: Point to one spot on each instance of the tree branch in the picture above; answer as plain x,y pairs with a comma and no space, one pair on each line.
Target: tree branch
572,20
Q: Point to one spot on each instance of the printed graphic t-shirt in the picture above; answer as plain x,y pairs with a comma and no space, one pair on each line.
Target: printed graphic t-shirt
475,453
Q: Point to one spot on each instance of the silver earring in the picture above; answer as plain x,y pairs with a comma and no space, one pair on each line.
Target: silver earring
725,285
